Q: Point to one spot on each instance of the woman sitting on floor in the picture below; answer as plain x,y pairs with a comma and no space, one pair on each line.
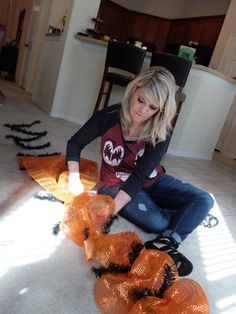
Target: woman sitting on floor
134,138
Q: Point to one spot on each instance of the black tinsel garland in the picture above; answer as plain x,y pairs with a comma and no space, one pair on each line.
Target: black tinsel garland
86,233
47,197
20,139
34,135
22,125
168,281
38,155
111,269
56,228
136,248
106,227
39,134
32,147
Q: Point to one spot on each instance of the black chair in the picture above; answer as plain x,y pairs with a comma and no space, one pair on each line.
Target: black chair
179,67
120,56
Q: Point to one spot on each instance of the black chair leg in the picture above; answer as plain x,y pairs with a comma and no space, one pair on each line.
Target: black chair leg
100,94
108,94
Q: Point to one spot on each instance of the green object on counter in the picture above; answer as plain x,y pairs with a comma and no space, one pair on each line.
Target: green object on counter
187,52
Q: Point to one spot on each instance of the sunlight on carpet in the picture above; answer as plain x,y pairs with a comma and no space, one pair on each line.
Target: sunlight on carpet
218,250
26,233
228,302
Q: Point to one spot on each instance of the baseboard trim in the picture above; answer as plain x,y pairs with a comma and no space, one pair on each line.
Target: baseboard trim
66,117
227,154
189,155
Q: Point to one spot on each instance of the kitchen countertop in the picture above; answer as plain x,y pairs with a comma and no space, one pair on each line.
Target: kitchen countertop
148,54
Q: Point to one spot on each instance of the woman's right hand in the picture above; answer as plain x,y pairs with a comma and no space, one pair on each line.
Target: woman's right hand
75,185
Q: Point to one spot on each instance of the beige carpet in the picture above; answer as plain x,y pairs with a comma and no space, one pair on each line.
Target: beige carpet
44,274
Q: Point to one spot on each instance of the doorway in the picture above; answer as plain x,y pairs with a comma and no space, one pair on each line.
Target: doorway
20,26
28,45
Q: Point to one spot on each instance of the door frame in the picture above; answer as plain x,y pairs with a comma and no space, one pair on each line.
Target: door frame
224,65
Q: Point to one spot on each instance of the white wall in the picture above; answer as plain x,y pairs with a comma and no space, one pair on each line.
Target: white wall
78,65
227,140
192,8
49,66
228,27
59,9
177,8
164,8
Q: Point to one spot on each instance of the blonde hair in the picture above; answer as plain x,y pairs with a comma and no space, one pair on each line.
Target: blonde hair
160,88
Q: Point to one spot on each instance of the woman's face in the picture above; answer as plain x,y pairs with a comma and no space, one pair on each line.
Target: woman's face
141,108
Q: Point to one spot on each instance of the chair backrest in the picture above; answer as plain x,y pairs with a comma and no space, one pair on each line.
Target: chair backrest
2,34
125,57
178,66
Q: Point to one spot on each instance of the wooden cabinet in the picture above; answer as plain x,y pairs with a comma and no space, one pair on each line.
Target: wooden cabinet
194,31
143,27
122,24
204,30
211,32
177,32
114,18
137,28
150,29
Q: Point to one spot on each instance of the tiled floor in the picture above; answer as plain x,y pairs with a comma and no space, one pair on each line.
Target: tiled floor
26,287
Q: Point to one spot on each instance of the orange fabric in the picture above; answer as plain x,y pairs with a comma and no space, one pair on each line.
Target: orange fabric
87,211
51,173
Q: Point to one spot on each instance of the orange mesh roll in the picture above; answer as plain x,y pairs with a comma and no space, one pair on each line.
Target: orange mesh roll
114,294
87,212
185,296
51,173
110,248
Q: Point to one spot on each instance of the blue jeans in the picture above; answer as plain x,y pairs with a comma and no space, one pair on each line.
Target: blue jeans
168,207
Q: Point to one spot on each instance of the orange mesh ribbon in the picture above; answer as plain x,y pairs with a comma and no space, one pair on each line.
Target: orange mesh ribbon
86,216
184,296
117,294
111,248
86,213
114,294
51,173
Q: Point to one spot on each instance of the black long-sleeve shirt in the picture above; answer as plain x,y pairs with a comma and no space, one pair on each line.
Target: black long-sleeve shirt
130,164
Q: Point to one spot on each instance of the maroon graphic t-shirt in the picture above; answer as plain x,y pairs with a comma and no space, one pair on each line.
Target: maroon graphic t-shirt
132,165
120,157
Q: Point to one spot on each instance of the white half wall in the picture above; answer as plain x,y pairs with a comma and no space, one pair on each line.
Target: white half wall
208,101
